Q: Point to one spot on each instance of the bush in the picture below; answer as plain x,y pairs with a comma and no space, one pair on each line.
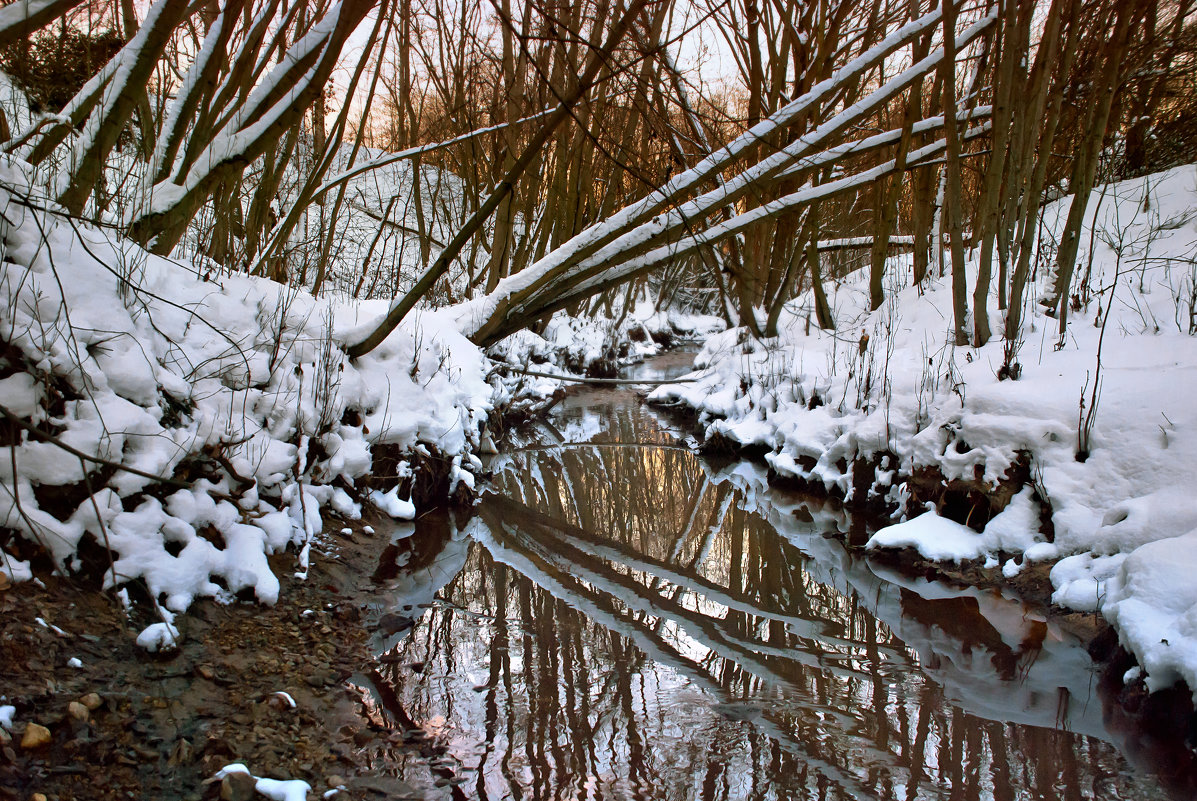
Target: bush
52,67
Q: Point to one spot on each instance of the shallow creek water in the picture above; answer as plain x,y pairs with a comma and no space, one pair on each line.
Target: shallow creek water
621,619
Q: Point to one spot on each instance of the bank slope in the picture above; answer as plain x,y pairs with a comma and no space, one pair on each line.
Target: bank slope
167,427
888,394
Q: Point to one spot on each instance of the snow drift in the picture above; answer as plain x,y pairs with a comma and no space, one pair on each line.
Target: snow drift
888,386
191,425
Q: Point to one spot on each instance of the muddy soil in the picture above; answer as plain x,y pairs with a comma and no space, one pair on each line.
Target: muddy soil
129,725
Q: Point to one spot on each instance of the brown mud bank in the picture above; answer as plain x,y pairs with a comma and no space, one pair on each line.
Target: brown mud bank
1157,730
286,690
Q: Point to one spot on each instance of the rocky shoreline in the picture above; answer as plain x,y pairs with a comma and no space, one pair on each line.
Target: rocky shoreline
282,689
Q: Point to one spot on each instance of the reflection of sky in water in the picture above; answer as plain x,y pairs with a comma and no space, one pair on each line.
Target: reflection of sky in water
628,623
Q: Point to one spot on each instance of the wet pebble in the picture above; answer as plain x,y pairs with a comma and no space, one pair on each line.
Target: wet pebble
318,677
35,736
237,787
78,711
182,753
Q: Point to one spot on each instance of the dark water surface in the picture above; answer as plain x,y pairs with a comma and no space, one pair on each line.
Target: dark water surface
622,620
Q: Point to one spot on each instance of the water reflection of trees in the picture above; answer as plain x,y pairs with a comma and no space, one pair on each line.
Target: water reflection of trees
624,629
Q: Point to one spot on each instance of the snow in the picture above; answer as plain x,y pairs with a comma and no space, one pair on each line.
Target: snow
291,790
937,538
1152,600
18,394
236,392
890,382
151,365
14,569
391,504
159,637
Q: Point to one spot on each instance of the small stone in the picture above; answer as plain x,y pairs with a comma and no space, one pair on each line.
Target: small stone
78,711
237,787
143,753
280,702
182,753
5,737
38,797
205,672
318,677
92,701
35,736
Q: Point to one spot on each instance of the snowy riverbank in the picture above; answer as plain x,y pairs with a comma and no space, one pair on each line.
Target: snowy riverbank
887,391
186,424
168,426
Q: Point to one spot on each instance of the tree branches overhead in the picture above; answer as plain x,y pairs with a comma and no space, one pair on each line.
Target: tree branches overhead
523,156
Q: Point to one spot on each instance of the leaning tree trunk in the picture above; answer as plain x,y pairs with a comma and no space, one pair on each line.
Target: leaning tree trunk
594,65
119,100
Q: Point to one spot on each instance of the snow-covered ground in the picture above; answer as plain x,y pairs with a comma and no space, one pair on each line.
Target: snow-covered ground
1124,519
234,390
141,367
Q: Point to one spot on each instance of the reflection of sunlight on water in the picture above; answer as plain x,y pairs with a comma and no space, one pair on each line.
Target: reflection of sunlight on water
629,623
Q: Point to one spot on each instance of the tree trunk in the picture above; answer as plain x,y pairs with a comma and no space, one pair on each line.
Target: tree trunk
595,63
952,209
991,197
1084,169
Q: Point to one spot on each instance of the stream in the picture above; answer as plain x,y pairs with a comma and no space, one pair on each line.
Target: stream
622,619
